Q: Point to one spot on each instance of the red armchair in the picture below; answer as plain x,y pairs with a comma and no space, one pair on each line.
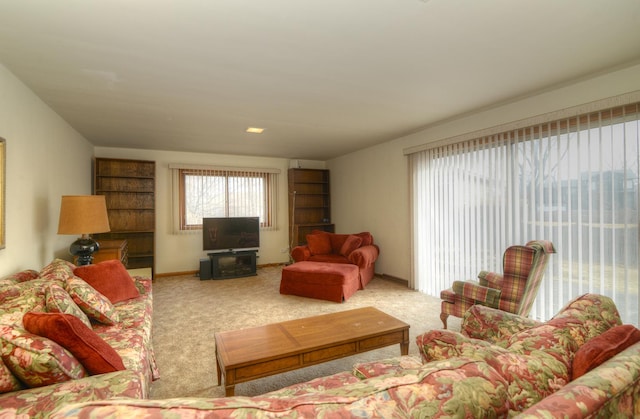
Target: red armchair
514,291
356,249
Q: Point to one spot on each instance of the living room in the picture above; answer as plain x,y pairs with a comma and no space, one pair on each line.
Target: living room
46,158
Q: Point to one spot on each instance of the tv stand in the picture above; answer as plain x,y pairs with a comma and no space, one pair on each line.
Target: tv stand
233,264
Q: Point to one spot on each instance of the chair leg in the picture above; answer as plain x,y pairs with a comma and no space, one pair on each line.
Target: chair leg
443,317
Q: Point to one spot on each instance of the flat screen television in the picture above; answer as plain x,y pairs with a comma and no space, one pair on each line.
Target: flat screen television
221,234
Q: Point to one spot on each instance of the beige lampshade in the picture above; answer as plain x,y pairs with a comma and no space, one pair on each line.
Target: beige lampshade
83,214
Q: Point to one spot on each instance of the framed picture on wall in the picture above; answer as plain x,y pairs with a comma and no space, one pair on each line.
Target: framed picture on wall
3,159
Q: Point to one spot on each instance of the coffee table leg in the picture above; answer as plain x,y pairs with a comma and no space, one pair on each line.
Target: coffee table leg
229,391
218,369
404,345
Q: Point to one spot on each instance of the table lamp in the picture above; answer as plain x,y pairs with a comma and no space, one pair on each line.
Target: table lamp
84,215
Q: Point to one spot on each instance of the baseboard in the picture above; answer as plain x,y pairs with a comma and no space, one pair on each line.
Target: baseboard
394,279
183,273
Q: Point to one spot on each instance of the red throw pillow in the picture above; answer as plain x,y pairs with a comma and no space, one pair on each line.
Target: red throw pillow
68,331
601,348
367,238
110,278
351,244
319,244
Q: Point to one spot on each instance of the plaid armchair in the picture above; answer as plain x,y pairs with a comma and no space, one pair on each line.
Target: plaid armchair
514,291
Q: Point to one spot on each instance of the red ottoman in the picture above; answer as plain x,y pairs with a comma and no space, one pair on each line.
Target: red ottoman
325,281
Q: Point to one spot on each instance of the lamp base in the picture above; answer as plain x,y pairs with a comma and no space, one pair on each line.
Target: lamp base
83,249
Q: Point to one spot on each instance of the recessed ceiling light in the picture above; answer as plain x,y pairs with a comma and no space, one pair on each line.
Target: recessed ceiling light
254,130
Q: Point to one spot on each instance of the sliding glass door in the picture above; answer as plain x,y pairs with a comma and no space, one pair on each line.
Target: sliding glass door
573,181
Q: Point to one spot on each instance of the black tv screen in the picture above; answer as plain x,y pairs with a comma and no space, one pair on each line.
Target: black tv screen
230,233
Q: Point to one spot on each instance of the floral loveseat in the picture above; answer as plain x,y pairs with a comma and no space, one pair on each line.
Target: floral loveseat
356,249
522,368
63,341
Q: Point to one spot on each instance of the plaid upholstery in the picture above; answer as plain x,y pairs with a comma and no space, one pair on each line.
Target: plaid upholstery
514,291
487,296
456,305
490,279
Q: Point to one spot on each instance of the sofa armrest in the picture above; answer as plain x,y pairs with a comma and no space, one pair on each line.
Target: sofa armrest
394,366
608,391
474,291
490,279
300,253
493,325
364,256
42,401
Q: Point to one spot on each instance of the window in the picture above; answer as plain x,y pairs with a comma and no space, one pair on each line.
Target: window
223,192
573,181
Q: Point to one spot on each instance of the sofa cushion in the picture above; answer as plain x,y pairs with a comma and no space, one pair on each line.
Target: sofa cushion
22,276
329,258
437,345
110,278
319,244
531,378
94,304
36,360
23,297
604,347
58,270
57,300
8,381
67,330
395,366
457,388
367,238
351,244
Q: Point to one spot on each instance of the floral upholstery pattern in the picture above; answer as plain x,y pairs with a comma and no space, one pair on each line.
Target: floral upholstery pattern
523,373
8,381
535,359
612,391
58,271
499,365
493,325
20,298
57,300
447,388
42,401
387,366
21,276
94,304
37,361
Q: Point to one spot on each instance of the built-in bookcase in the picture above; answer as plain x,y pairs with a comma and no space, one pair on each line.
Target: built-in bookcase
309,203
129,190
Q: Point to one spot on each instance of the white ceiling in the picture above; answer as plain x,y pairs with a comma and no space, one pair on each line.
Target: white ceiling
324,78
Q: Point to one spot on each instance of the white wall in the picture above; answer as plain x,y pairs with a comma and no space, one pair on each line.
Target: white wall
181,253
370,188
46,159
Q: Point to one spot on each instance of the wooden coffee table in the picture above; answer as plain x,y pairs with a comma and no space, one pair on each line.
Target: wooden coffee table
247,354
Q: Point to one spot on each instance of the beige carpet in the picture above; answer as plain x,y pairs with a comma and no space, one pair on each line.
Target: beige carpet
188,311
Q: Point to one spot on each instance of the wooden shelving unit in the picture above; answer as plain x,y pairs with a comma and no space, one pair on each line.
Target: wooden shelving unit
309,203
129,189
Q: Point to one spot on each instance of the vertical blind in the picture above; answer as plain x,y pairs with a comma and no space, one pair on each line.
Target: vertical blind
573,181
223,192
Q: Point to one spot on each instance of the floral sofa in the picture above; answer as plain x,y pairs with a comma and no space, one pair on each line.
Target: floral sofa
71,334
355,249
500,365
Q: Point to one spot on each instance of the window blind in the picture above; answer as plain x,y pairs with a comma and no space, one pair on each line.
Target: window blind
573,181
203,191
